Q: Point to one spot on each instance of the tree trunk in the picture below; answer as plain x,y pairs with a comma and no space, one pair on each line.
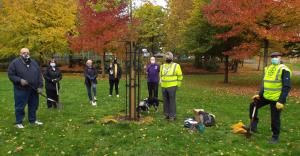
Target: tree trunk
152,46
236,66
71,60
226,69
197,60
103,64
266,46
259,60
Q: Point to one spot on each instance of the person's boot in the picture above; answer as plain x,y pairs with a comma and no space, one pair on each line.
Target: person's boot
254,126
172,118
274,140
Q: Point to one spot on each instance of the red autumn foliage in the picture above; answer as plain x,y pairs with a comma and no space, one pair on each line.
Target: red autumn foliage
100,29
272,20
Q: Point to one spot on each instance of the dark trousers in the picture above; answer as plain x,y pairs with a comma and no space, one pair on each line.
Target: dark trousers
23,97
275,114
169,96
153,90
111,86
52,94
91,87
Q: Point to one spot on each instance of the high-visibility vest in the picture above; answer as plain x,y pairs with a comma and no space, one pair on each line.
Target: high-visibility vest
272,82
170,75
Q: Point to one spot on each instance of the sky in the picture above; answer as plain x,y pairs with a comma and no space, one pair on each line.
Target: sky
162,3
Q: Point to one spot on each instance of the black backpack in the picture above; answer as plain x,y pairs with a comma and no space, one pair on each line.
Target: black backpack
208,119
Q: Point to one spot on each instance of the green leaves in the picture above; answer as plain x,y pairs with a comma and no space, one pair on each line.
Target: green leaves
40,25
150,28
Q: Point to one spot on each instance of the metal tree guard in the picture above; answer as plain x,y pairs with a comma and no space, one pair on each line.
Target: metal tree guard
133,72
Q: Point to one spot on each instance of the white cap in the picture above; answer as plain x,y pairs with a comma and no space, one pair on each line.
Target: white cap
169,55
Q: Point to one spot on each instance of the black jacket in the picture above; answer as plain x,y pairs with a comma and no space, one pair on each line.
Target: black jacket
111,72
90,75
52,77
30,72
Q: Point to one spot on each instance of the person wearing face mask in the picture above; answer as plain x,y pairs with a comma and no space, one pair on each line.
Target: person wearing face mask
274,91
91,74
152,72
52,76
27,80
170,79
115,73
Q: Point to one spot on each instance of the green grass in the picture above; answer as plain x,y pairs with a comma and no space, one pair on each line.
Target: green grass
66,132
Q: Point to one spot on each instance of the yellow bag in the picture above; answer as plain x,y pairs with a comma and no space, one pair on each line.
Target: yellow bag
239,128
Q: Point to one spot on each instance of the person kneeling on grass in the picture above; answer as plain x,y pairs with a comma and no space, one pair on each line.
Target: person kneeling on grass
27,79
52,76
90,74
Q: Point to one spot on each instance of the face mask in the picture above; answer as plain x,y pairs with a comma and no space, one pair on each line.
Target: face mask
52,64
25,56
275,60
168,60
152,61
26,59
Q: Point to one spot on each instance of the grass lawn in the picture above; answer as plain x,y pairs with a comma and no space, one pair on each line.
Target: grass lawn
67,132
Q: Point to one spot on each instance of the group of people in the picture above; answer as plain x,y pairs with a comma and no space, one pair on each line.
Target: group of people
91,73
27,80
169,75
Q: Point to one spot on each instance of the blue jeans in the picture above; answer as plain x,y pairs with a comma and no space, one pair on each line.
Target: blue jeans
23,97
89,88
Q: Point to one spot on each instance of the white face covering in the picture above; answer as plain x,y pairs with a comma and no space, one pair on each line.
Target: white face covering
52,64
25,56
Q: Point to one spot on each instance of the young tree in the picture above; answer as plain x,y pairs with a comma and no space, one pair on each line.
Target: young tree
102,25
258,21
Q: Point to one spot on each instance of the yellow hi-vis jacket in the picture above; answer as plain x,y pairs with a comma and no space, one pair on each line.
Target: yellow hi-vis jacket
170,75
272,84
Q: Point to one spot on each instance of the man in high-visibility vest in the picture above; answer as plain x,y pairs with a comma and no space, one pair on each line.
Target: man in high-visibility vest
170,78
274,91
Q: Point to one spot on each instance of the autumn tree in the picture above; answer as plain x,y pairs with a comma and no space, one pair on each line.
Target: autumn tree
40,25
150,20
199,35
257,21
102,25
178,12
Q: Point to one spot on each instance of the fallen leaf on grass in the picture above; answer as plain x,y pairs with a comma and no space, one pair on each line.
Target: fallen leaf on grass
19,148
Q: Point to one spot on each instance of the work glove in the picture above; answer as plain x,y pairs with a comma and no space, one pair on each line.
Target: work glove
39,90
255,97
23,82
279,106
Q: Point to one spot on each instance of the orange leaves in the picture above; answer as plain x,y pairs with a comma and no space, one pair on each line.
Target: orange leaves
99,28
269,19
245,50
